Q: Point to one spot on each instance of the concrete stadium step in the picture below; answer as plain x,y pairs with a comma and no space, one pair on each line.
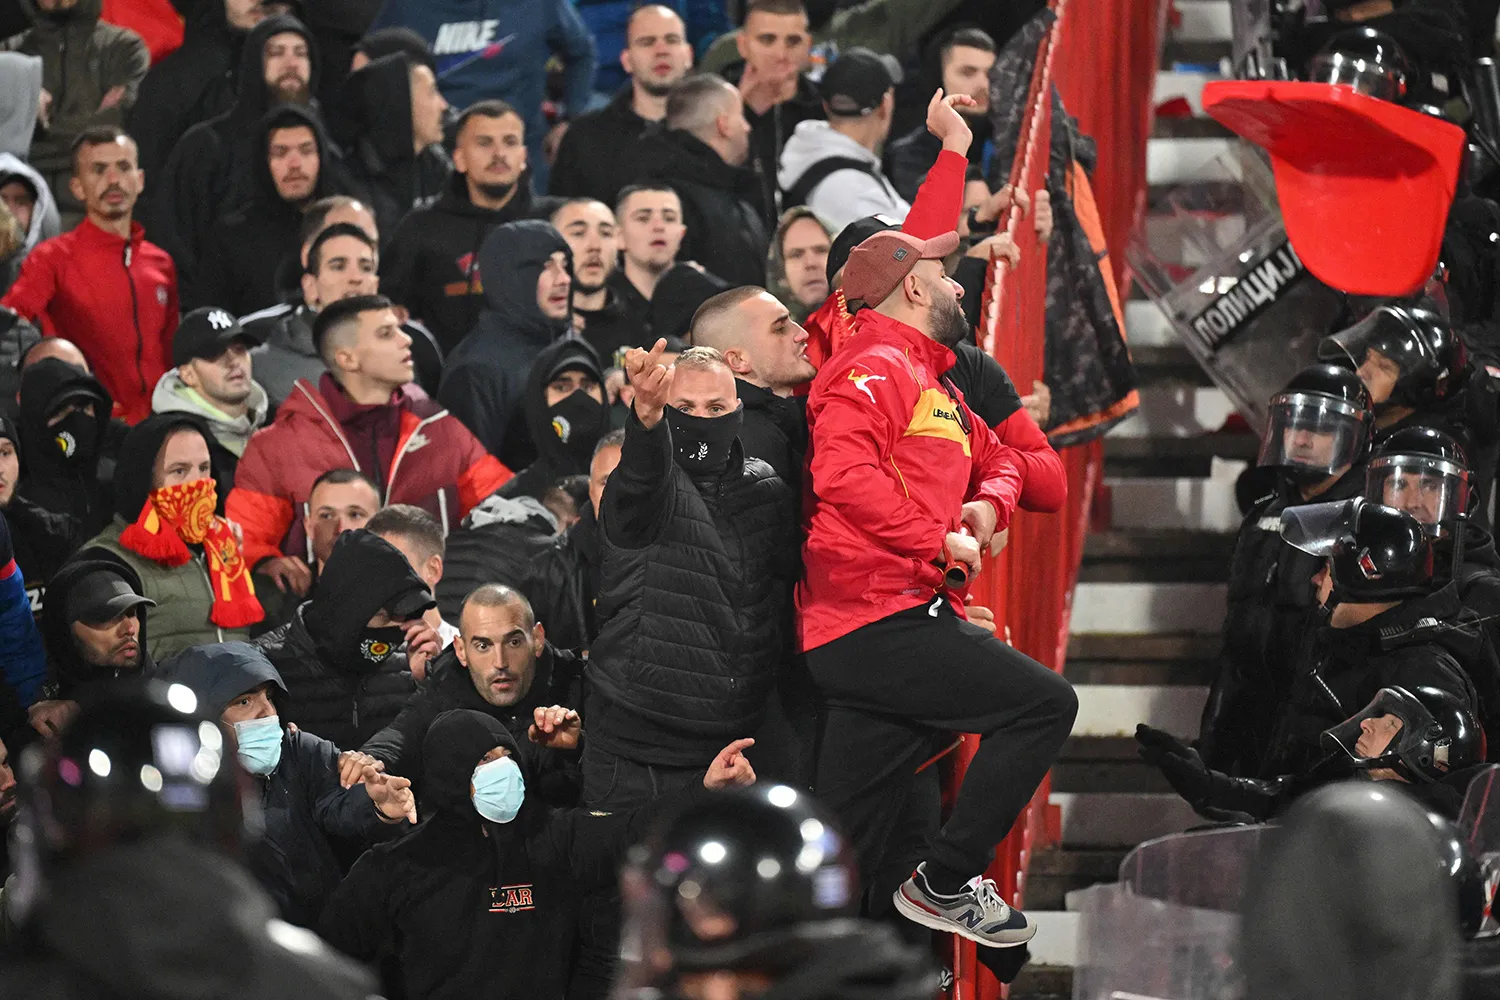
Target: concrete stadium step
1148,608
1056,941
1188,457
1177,411
1171,364
1201,21
1055,872
1120,819
1147,326
1121,556
1107,765
1111,711
1178,504
1043,982
1186,84
1188,161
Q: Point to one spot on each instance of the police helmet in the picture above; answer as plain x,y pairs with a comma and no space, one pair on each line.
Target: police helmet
1437,734
1367,60
1318,425
1376,553
1424,472
1408,352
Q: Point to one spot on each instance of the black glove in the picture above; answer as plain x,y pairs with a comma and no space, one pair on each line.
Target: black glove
1178,762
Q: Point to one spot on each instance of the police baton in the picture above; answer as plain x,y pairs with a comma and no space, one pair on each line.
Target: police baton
955,572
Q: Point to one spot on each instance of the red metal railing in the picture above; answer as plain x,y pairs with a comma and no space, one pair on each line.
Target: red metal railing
1102,56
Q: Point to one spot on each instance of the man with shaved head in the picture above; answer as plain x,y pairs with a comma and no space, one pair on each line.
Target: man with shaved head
56,347
767,352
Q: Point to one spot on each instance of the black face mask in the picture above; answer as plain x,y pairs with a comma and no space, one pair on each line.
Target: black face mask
76,438
578,421
376,645
702,444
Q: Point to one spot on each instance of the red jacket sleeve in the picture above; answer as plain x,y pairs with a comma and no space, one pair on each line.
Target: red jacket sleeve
852,434
939,199
35,286
1044,487
483,473
996,473
256,503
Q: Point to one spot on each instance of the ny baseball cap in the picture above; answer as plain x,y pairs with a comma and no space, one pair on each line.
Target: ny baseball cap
102,596
882,261
207,333
858,80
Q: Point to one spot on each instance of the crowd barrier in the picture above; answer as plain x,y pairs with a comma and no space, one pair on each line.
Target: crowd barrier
1102,56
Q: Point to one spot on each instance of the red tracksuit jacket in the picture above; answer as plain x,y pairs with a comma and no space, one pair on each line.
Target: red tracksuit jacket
115,299
892,464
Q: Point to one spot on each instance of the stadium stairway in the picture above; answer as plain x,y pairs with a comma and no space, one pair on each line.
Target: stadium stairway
1150,599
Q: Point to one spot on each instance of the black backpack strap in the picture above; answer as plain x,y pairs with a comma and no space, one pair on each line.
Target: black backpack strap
818,172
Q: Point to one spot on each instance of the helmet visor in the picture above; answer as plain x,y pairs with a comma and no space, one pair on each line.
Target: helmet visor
1383,349
1365,73
1392,724
1312,432
1432,490
1319,528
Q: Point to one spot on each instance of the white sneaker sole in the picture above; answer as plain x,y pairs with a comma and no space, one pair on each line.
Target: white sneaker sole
911,911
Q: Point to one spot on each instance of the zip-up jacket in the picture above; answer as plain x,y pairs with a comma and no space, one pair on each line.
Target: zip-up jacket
436,465
115,298
895,453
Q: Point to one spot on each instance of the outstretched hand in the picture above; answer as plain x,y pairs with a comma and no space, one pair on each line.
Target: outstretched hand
731,768
392,796
651,380
555,727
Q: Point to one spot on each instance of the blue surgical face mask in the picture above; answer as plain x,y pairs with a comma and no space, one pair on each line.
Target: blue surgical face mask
260,744
499,790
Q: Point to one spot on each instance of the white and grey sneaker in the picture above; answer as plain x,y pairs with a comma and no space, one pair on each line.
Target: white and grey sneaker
978,913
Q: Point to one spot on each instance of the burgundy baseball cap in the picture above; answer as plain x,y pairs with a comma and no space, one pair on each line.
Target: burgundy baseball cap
882,261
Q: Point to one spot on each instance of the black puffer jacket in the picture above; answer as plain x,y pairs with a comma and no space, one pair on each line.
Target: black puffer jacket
775,430
1430,641
1271,607
302,800
212,169
722,205
497,543
564,440
694,602
333,689
386,173
431,265
564,584
51,478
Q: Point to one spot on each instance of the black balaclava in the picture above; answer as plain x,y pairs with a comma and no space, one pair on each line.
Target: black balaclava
364,575
703,446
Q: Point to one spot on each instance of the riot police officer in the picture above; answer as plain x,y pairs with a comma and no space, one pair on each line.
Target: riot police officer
1316,436
125,881
754,892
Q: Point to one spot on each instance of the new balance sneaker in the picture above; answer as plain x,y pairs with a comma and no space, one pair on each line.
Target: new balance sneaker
978,913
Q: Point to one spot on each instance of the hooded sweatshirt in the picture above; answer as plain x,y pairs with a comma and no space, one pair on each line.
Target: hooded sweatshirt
45,223
474,908
302,801
564,434
432,263
231,434
40,539
211,170
1339,911
67,673
386,172
484,382
253,243
500,48
345,682
21,82
844,195
61,469
82,60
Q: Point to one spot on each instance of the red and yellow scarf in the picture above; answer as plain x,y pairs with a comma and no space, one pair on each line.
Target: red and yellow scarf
174,517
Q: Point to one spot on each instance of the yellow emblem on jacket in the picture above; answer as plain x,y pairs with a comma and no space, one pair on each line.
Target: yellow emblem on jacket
936,415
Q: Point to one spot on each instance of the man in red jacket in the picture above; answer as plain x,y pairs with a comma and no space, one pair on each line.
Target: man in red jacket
102,285
366,414
905,479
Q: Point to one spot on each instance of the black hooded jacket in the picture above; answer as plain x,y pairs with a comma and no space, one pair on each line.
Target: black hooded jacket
775,430
50,478
722,206
376,133
432,263
335,688
67,672
40,539
162,917
497,543
302,801
1272,605
195,82
558,680
212,169
484,381
251,244
614,329
474,908
564,583
564,442
1430,641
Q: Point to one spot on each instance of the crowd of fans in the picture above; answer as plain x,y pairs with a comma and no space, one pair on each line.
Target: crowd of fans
439,422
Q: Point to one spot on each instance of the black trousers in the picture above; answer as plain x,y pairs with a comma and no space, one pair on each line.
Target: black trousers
887,687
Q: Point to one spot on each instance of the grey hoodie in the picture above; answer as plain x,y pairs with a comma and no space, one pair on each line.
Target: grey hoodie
45,223
172,395
844,195
21,83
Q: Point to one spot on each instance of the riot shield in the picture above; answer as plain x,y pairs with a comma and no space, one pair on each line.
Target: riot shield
1215,258
1479,822
1169,929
